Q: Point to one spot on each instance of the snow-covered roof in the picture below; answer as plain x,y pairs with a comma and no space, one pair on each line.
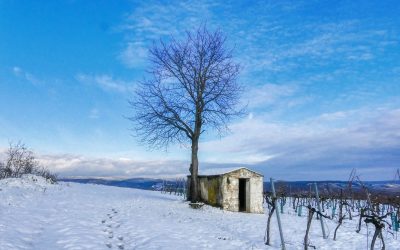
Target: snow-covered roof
222,171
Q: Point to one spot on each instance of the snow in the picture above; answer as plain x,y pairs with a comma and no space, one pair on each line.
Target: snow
27,181
37,215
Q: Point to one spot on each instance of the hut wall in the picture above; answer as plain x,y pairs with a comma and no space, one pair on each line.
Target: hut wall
214,187
223,190
203,183
256,195
230,191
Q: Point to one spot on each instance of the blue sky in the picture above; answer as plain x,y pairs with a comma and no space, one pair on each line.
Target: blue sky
322,83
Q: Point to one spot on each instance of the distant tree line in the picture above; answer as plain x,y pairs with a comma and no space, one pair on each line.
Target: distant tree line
20,160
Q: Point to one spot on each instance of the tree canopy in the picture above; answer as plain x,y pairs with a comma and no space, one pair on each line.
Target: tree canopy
192,86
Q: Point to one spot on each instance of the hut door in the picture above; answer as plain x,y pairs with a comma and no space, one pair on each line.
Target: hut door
242,195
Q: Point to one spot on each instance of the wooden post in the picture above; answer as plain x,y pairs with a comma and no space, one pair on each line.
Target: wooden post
277,215
321,218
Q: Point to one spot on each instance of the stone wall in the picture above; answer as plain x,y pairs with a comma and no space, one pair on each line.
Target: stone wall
203,189
256,195
230,191
223,190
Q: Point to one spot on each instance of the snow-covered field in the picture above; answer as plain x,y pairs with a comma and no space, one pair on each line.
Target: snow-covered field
37,215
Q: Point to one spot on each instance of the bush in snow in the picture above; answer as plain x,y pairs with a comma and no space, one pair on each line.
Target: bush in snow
19,161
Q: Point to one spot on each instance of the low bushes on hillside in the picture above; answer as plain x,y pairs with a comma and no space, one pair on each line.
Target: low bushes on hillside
20,160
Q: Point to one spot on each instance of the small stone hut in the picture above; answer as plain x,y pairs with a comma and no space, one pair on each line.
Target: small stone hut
237,189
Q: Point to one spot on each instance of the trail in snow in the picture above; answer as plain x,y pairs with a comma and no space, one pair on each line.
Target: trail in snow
36,215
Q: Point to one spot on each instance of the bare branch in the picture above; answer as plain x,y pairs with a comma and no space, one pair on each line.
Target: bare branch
192,87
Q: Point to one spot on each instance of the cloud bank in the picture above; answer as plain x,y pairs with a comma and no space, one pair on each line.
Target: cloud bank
328,146
325,147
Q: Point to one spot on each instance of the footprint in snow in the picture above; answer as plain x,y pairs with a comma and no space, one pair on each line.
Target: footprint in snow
108,229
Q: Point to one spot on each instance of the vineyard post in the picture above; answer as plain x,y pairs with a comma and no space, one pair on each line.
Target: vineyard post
277,215
319,209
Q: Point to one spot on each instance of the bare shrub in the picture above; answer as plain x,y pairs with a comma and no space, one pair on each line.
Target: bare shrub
19,161
3,171
45,173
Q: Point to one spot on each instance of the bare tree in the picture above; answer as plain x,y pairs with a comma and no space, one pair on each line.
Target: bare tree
3,172
192,86
20,160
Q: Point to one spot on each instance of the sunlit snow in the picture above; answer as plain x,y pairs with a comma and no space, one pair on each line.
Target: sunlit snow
38,215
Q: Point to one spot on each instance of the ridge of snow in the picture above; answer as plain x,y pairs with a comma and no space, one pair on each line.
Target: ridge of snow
26,181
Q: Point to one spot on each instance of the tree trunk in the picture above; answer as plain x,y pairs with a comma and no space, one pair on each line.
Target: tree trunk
349,211
359,221
341,217
194,170
337,227
383,241
378,233
294,203
267,236
309,220
374,238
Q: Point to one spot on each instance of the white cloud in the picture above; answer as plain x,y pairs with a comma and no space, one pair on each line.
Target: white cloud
76,165
149,22
327,146
270,37
134,54
22,74
106,82
268,94
365,139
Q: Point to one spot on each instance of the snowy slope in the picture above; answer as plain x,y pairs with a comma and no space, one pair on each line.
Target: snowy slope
37,215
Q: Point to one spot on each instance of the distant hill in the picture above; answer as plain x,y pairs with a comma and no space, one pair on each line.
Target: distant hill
384,187
140,183
381,187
